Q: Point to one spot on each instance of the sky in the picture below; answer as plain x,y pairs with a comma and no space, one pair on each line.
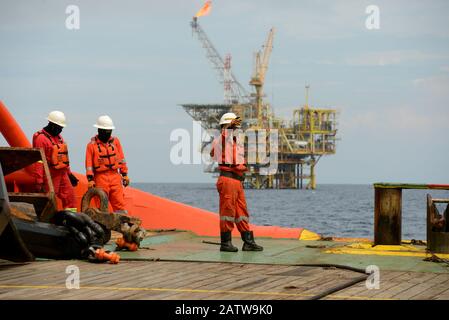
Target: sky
137,61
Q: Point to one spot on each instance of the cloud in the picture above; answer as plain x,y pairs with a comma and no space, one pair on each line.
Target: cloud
403,121
411,19
345,19
437,85
395,57
38,14
312,21
387,58
325,62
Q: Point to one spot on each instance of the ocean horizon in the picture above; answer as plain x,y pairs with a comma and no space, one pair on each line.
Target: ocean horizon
339,210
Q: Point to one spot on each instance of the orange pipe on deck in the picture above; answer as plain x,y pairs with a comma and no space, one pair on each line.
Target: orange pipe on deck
11,130
161,213
155,212
21,177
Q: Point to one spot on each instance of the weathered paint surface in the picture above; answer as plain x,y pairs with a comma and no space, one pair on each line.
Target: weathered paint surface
185,246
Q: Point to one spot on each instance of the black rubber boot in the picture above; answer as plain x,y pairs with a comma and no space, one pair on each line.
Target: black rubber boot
226,244
248,242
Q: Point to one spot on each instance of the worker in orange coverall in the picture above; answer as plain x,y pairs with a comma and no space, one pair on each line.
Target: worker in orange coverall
56,153
106,165
228,151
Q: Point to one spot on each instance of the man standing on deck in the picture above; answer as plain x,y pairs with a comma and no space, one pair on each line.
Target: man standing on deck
230,155
105,164
56,152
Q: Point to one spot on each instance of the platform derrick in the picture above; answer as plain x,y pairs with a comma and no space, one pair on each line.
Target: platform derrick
302,140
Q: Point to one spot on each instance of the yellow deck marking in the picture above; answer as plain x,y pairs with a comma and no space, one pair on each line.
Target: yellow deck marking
384,250
7,286
155,289
402,247
308,235
357,297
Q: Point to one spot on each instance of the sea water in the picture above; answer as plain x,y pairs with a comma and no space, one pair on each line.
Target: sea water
331,210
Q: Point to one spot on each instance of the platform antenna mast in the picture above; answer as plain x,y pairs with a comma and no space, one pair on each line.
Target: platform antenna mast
234,91
307,96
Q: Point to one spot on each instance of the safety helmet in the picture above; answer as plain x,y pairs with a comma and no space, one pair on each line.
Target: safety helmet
57,117
104,122
227,118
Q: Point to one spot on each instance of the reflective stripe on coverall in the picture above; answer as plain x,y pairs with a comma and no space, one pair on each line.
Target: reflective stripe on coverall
232,205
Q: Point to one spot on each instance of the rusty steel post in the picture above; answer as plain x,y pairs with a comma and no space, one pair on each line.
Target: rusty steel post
437,234
387,216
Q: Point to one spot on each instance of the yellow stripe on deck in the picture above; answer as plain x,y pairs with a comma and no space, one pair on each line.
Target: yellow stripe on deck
384,250
309,235
184,291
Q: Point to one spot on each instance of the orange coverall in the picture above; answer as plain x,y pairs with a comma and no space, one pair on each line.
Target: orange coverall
106,163
230,156
60,177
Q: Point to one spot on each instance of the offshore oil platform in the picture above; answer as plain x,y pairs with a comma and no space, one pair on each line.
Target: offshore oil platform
302,141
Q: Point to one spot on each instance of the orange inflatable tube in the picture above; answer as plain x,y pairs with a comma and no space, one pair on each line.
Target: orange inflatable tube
11,130
155,212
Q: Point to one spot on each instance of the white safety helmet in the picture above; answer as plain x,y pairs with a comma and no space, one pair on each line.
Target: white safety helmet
57,117
104,122
227,118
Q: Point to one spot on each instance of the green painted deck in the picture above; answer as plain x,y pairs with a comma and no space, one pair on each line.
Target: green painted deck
179,265
186,246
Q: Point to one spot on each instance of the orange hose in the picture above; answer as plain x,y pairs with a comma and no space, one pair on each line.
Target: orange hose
20,177
11,130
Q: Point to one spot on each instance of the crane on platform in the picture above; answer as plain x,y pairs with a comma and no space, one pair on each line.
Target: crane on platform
234,91
261,61
300,142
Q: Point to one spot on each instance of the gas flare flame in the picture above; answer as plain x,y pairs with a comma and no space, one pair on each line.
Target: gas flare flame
205,10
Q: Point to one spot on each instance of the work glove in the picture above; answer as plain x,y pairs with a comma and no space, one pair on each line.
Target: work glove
73,180
236,122
125,181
